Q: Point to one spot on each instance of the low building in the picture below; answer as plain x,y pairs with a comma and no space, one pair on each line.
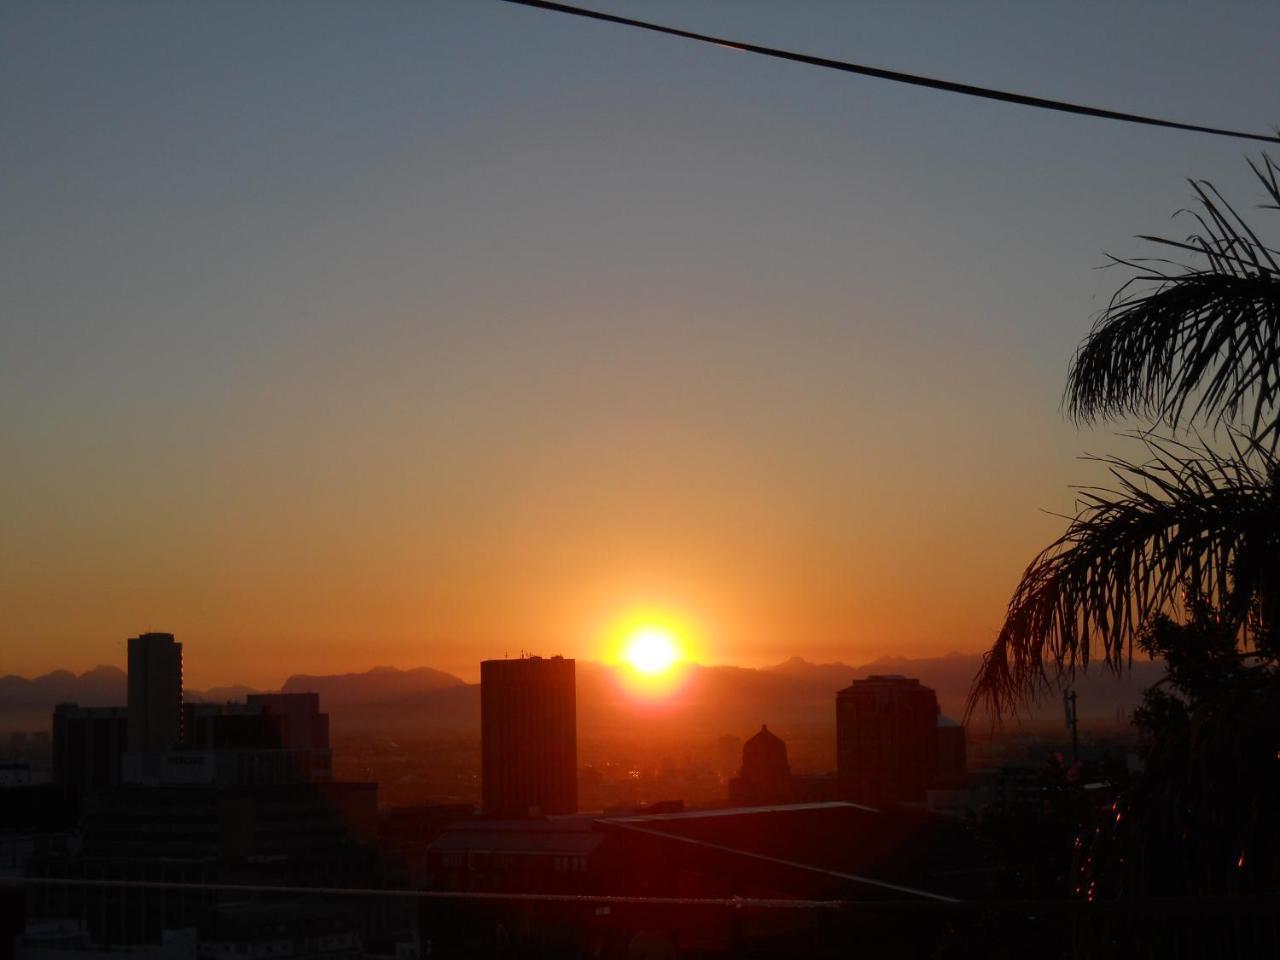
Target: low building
273,738
292,930
836,851
313,834
89,744
15,773
554,855
952,754
765,774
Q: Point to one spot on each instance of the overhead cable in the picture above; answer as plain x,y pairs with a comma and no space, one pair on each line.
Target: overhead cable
896,76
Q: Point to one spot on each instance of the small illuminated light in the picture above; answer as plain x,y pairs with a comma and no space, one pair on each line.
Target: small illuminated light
1240,861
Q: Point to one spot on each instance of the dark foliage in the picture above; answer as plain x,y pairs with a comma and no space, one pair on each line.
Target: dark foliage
1192,341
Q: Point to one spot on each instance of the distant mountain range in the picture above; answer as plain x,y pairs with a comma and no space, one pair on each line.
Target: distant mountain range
99,687
715,699
378,685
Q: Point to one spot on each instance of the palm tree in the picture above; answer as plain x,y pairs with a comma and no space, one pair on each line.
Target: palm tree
1181,345
1182,342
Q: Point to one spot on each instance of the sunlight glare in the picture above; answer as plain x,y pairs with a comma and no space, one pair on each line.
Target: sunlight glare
651,650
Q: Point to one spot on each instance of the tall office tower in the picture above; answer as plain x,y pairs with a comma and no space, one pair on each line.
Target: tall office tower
886,739
155,692
529,737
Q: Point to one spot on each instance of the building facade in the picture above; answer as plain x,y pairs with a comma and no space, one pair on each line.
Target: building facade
274,738
529,737
886,740
155,693
765,774
88,745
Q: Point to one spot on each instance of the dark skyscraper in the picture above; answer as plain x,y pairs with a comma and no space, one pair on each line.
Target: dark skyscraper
529,737
886,739
155,692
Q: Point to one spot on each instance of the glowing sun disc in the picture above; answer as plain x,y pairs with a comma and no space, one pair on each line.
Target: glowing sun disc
651,650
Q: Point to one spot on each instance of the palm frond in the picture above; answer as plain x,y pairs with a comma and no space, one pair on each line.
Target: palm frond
1191,342
1188,518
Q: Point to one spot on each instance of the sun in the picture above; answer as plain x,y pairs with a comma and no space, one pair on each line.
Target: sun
651,650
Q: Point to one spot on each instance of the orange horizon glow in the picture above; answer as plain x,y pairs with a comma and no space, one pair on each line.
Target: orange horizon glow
651,653
652,650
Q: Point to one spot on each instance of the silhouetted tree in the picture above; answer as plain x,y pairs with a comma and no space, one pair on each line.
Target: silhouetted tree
1181,558
1183,344
1187,342
1199,820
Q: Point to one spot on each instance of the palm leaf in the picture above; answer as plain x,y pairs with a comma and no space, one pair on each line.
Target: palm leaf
1198,341
1188,518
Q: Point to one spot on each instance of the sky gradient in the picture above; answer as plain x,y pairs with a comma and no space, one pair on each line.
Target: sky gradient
419,333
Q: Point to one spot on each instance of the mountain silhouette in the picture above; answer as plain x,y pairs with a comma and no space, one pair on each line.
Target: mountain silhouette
379,685
100,687
711,700
727,699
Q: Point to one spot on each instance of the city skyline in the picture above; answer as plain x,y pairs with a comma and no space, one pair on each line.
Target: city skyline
646,478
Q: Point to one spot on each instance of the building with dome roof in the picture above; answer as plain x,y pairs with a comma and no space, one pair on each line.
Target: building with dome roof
765,775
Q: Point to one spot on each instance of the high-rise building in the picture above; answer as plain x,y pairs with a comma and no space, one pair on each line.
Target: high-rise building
886,739
155,692
529,737
88,745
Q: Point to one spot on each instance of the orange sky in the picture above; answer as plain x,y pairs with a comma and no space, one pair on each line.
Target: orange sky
326,344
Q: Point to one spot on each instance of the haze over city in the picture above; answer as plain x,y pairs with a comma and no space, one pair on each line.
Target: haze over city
425,333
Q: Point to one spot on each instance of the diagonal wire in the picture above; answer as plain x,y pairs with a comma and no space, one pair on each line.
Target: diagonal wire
879,73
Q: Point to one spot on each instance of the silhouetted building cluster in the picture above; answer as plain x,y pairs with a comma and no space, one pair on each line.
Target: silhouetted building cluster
892,746
158,740
272,738
162,792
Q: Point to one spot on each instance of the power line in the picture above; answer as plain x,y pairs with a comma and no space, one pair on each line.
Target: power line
948,86
790,864
757,903
1251,904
